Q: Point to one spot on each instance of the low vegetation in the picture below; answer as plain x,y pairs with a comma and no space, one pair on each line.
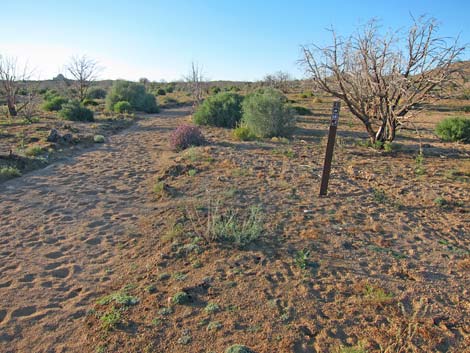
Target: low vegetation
267,114
222,110
455,129
76,111
186,136
133,93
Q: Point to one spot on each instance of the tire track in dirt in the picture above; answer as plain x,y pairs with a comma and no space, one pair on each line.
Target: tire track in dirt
62,230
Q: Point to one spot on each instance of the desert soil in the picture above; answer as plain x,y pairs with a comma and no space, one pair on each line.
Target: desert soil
387,253
62,229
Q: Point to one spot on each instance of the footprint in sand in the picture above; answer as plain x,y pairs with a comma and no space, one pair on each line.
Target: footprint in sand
60,272
54,255
25,311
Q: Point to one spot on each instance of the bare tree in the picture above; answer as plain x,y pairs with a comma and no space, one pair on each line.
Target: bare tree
381,78
195,79
280,80
11,79
84,72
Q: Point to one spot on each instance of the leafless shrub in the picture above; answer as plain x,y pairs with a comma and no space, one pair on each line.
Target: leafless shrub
383,78
84,72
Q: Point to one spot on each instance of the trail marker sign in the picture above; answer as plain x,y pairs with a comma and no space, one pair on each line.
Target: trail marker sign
329,148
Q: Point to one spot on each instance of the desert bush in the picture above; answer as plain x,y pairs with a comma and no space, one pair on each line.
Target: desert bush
170,88
96,93
33,151
302,110
98,138
454,129
267,114
223,110
185,136
9,172
89,102
243,133
134,93
161,92
215,90
54,104
76,111
50,93
122,107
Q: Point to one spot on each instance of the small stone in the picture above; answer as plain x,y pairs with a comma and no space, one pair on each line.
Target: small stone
67,138
54,136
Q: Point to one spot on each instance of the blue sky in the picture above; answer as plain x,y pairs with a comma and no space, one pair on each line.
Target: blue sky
232,40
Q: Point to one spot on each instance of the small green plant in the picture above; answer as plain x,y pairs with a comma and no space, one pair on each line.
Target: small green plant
9,172
352,349
111,319
54,104
122,107
192,172
238,348
388,147
33,151
454,129
151,288
98,138
165,311
379,195
235,228
302,258
76,111
214,326
440,201
119,298
212,308
180,276
180,298
420,169
376,295
243,133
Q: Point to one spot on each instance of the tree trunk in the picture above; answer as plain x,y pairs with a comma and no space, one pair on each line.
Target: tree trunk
11,107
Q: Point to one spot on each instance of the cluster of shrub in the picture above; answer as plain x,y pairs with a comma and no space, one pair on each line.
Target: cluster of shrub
124,97
264,113
68,109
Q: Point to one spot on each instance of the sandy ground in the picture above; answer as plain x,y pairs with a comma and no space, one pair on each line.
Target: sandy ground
60,233
388,265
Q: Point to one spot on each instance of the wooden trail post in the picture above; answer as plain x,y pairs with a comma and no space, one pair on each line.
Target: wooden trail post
329,148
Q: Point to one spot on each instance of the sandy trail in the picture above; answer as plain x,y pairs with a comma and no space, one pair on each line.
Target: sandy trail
62,231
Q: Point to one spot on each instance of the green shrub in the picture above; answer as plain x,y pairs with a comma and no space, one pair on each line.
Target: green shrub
9,172
215,90
161,92
223,110
243,133
122,107
33,151
454,129
134,93
170,88
180,298
98,138
76,111
267,114
50,93
54,104
89,102
96,93
302,110
238,348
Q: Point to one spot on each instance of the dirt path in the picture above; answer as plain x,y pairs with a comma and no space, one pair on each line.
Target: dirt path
63,232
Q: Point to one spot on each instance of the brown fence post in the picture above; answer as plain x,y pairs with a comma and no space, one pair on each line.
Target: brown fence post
329,148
